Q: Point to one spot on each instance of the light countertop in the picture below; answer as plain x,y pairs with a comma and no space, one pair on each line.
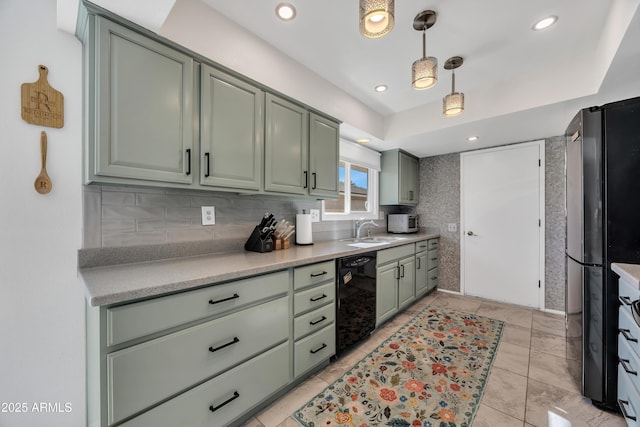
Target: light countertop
629,272
127,282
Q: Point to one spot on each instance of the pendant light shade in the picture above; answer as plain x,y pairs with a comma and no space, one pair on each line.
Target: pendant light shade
376,17
453,103
424,71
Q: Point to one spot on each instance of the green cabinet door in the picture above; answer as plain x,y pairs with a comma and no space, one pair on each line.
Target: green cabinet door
286,147
399,178
421,272
142,93
407,281
386,292
323,156
231,143
408,179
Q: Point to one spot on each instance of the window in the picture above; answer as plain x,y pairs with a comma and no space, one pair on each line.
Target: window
358,185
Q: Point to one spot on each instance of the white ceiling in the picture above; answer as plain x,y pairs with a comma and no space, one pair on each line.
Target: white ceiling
519,84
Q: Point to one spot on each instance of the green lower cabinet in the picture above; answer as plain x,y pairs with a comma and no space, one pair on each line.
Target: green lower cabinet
386,292
421,273
406,282
221,400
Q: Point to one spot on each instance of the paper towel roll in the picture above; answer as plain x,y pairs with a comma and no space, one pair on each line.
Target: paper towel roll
303,229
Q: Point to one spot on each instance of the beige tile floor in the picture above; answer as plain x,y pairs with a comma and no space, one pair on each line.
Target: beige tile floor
529,384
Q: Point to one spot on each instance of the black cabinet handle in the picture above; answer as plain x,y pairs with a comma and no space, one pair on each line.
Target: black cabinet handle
625,300
627,367
306,179
226,402
434,277
206,164
418,260
621,404
434,259
398,273
322,347
315,181
322,319
232,342
401,270
410,194
627,334
188,161
318,298
318,274
422,246
224,299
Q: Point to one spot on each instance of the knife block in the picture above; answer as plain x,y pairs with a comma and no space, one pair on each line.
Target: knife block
256,244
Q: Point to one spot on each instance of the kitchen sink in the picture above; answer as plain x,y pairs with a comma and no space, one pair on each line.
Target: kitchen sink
371,241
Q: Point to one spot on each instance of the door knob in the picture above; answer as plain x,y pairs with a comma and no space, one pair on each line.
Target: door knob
471,233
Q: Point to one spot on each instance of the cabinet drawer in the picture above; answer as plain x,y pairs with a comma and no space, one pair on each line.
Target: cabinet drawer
433,244
144,374
314,349
313,321
433,256
135,320
251,382
422,245
393,254
627,294
629,362
432,278
628,399
629,331
314,274
313,298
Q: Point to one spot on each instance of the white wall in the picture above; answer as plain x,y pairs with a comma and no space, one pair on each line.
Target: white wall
42,348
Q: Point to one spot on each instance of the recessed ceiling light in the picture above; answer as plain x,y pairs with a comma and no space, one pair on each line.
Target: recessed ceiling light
381,88
545,23
362,140
285,11
473,138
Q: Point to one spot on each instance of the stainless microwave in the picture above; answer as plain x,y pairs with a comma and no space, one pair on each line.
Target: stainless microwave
402,223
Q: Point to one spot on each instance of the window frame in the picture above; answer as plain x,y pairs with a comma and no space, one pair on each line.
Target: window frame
373,190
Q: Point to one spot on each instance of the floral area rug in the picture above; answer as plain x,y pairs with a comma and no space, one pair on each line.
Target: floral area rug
430,373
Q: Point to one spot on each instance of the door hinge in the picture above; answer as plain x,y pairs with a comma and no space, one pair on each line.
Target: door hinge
539,284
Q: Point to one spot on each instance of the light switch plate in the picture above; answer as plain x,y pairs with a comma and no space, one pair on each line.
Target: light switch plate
208,215
315,215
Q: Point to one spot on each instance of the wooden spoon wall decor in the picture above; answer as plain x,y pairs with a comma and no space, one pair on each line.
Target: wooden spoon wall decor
43,182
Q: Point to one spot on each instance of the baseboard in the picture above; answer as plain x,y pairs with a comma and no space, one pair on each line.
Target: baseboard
548,310
449,292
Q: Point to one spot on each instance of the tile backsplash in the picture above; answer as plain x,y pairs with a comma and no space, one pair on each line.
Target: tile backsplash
129,216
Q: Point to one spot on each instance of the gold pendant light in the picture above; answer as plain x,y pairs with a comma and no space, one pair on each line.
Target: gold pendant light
453,103
376,17
424,71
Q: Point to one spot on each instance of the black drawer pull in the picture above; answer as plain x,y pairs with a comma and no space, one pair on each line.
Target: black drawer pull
422,246
232,342
224,299
627,367
318,274
188,162
318,321
625,300
621,404
434,277
318,298
434,259
322,347
627,334
229,400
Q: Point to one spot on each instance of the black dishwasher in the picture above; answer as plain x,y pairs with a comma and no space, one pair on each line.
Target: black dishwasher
356,308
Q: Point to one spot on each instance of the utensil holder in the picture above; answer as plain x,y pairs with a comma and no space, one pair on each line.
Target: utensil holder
255,243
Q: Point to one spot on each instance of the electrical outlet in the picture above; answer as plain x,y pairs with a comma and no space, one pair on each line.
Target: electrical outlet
315,215
208,215
381,215
452,226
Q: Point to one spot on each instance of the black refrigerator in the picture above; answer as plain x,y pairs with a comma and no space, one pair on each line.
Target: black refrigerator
603,226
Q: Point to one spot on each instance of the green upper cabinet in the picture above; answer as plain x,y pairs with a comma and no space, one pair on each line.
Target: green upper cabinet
286,147
399,178
324,136
140,109
232,122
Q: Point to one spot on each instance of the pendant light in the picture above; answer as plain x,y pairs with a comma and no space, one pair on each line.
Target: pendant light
453,103
376,17
424,71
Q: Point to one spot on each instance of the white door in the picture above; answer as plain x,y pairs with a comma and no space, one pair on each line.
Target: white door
502,235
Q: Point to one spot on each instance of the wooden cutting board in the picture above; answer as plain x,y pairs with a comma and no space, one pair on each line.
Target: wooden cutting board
42,104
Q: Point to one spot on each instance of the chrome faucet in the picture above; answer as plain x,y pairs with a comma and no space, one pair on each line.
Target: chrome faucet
360,225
